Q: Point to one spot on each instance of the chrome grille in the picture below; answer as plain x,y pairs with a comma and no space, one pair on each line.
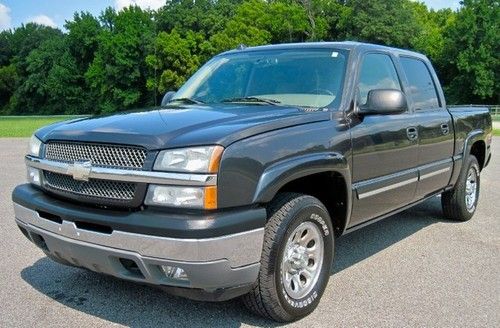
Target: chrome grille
125,157
116,190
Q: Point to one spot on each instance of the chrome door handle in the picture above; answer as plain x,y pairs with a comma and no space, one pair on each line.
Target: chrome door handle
412,133
445,128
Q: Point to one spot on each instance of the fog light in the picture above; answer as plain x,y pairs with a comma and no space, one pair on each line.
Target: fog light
34,176
174,272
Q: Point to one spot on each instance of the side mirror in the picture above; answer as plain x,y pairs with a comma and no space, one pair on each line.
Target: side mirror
167,97
384,102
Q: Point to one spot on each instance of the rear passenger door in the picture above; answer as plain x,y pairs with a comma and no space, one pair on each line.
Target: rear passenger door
384,168
435,127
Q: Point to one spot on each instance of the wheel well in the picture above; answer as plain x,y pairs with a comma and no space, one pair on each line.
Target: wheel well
478,149
330,188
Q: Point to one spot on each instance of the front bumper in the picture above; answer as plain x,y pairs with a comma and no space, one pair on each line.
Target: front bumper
212,264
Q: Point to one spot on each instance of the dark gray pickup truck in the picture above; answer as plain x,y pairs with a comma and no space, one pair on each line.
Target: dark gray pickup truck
240,182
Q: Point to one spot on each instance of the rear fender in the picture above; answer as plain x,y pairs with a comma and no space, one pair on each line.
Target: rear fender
459,159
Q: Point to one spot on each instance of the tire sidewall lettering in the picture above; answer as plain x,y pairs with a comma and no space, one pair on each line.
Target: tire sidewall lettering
302,303
324,227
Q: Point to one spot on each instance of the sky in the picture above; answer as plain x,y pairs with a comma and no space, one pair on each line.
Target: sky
54,13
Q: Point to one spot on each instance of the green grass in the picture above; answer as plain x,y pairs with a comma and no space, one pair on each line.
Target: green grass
495,117
496,132
24,126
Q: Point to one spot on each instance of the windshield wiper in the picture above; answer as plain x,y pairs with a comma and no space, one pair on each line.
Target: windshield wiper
186,101
252,100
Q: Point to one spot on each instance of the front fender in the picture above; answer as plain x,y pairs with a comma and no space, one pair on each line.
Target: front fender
281,173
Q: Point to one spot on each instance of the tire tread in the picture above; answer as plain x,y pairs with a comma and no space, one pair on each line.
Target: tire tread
452,201
258,300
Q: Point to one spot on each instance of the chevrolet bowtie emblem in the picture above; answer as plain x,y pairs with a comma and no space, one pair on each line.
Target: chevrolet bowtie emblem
80,170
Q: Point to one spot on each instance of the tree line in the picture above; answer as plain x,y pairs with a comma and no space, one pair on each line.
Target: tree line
127,59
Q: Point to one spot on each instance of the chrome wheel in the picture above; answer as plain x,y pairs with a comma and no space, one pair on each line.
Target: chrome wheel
471,189
302,260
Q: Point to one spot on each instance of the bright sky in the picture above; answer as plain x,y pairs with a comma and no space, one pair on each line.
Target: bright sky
13,13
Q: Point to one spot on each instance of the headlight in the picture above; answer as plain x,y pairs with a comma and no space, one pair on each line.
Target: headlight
177,196
34,146
196,159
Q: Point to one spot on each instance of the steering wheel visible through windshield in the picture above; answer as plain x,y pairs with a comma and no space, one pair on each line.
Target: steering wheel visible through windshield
309,78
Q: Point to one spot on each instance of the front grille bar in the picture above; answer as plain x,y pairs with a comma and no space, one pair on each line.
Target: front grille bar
124,157
166,178
115,190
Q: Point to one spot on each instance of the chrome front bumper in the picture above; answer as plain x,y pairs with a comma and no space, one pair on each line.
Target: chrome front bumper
210,264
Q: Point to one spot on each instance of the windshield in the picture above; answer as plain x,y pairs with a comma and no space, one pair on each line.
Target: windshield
303,77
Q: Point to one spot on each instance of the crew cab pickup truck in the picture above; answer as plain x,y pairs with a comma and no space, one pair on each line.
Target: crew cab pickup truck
240,182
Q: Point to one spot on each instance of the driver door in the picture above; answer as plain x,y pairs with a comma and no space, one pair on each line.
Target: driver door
385,147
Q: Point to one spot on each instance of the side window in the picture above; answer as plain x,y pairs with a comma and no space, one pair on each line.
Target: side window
377,72
422,87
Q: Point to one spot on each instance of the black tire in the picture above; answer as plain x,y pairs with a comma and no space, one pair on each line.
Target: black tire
268,296
454,201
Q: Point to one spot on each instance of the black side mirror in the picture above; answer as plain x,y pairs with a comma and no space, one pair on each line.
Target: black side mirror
167,97
384,102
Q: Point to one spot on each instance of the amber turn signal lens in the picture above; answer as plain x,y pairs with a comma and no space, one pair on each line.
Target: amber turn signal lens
210,202
213,166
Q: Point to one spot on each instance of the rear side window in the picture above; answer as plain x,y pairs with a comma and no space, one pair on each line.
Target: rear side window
377,72
422,87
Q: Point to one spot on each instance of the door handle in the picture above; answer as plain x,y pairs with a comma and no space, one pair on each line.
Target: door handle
445,128
412,133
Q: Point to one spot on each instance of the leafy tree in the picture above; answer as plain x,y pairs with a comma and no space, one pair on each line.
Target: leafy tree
127,59
82,42
6,51
292,22
118,72
243,28
8,74
175,59
26,38
52,84
258,22
472,51
83,38
336,16
203,16
389,22
433,24
8,78
318,20
21,42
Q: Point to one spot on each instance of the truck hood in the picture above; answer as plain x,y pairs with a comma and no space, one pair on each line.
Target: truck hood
181,126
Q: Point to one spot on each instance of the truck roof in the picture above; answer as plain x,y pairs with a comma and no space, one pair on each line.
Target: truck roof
348,45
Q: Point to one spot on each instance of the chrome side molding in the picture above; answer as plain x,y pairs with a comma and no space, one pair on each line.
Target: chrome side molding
434,173
392,186
386,188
